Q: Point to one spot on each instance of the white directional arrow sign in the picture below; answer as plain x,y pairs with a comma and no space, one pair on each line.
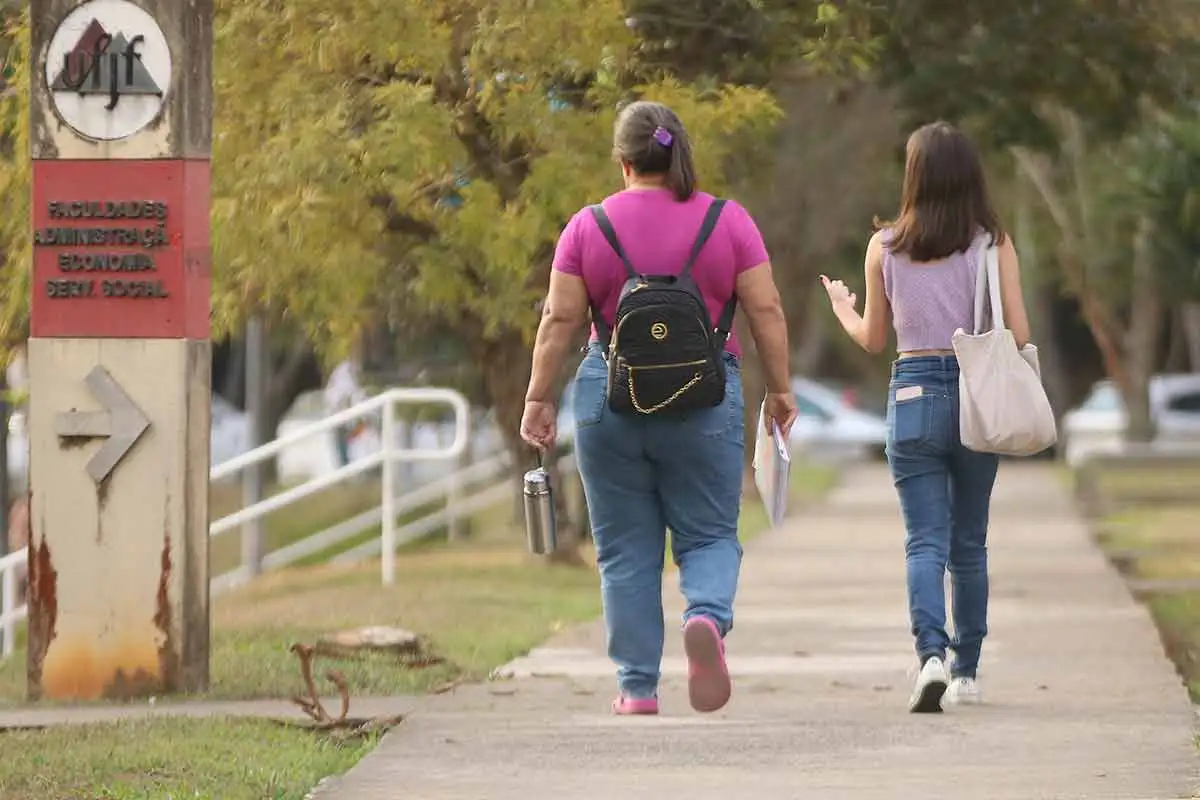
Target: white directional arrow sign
122,423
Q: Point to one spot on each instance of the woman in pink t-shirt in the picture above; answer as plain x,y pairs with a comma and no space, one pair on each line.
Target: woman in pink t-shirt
645,474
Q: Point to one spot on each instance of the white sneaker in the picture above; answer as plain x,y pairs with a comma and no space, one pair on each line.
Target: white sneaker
964,692
931,685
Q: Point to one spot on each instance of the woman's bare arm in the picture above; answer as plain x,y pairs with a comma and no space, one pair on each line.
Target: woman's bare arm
870,330
759,298
564,313
1013,299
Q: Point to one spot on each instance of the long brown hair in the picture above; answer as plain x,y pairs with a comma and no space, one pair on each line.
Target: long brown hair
944,204
651,139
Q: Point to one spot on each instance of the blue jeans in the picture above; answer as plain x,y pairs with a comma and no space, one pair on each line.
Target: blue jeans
641,476
945,493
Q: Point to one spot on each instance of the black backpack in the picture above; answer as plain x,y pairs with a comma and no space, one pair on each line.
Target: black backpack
663,353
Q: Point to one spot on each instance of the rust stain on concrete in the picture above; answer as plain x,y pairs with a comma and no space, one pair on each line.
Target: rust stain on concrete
77,670
43,613
132,668
168,660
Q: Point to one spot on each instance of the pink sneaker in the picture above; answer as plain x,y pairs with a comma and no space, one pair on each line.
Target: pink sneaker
709,686
635,706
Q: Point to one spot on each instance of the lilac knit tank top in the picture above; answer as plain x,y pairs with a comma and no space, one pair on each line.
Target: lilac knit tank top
931,300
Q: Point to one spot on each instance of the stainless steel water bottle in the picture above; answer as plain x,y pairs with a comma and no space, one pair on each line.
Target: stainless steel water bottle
540,526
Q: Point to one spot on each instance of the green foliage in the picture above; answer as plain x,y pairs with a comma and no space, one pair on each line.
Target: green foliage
1169,180
368,150
1000,67
745,41
15,244
846,40
373,156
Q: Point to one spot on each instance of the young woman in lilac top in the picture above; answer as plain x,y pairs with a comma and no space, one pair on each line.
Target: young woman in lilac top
643,475
920,276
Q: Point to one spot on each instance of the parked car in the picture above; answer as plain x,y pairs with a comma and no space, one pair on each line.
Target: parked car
830,428
853,396
1097,426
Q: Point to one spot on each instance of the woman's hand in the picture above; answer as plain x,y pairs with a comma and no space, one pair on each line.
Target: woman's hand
539,424
839,293
780,407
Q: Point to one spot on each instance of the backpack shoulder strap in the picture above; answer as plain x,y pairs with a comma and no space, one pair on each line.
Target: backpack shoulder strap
725,323
606,228
706,229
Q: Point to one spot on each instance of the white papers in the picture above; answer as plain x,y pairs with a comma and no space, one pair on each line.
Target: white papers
772,468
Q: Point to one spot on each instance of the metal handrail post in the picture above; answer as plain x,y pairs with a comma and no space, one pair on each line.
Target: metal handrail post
388,561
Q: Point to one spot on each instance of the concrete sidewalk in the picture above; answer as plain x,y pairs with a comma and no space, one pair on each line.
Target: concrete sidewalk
1080,700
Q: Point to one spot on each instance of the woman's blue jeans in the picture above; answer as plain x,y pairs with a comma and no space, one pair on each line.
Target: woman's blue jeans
945,493
641,476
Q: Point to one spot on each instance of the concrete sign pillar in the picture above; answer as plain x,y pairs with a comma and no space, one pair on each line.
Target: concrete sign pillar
119,354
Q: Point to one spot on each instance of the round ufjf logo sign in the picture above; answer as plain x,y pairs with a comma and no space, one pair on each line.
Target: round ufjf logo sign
108,69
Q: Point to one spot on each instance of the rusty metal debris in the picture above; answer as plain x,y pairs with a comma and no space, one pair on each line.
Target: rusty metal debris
311,705
342,726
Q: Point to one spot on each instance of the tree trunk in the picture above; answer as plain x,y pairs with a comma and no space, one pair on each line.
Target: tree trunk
1142,338
233,388
1073,253
1128,352
289,374
1189,314
1041,307
814,335
257,475
506,362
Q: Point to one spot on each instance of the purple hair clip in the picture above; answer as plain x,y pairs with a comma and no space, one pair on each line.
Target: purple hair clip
663,136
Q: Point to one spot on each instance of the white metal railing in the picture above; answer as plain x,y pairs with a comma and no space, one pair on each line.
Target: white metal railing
10,614
386,459
436,490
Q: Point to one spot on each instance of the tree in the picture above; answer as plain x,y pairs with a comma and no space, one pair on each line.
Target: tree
1169,179
1063,87
15,245
429,149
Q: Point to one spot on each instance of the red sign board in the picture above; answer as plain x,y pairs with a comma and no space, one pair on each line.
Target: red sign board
121,249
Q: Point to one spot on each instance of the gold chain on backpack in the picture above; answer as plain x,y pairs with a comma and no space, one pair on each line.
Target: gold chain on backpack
633,398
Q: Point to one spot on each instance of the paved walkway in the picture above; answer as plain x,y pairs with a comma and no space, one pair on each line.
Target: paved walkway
1081,702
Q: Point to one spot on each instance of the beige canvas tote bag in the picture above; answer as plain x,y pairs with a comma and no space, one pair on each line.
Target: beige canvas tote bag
1003,407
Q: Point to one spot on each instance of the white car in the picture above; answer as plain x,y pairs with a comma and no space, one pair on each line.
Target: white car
1097,426
829,428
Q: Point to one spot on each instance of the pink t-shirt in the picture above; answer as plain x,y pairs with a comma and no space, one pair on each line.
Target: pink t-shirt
657,232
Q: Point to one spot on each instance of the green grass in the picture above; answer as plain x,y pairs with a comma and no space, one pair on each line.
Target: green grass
478,605
1178,618
213,759
1157,541
1135,489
